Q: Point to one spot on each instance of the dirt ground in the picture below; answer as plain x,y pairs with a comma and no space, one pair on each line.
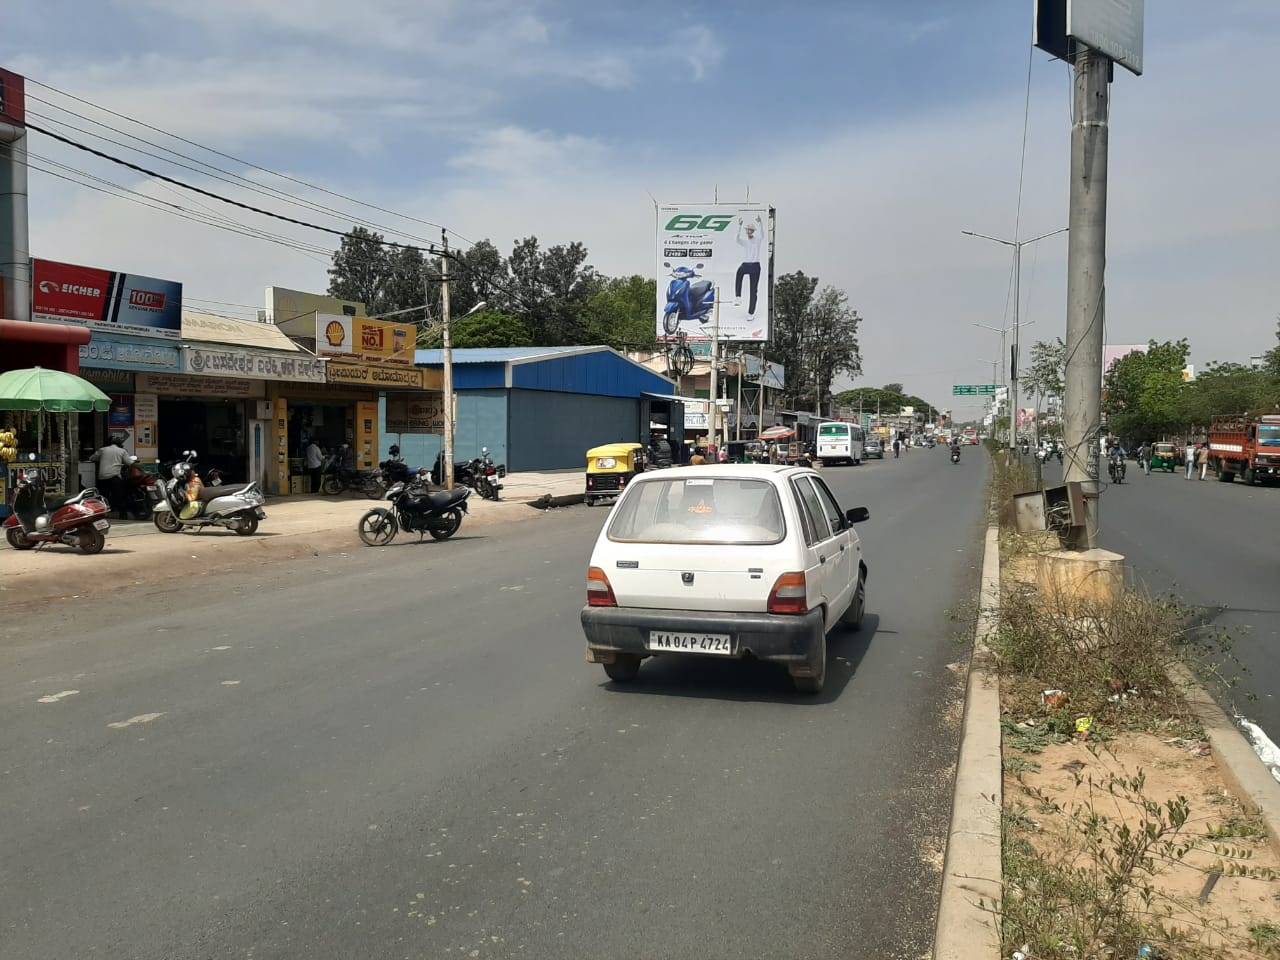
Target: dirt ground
1172,768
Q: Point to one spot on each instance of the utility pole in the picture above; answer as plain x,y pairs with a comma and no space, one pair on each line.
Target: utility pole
1086,291
715,375
447,343
737,411
764,370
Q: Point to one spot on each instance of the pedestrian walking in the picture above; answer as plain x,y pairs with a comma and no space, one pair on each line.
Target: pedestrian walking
110,460
1144,457
1202,458
896,443
315,461
1190,455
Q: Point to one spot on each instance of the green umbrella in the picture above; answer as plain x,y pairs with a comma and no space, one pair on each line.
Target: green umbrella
50,391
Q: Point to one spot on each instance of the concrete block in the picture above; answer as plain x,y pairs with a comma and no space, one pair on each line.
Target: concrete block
1094,576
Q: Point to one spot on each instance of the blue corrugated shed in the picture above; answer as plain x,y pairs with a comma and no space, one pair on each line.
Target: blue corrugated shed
595,371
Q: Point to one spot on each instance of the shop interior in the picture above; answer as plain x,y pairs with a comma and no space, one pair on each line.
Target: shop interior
329,425
215,429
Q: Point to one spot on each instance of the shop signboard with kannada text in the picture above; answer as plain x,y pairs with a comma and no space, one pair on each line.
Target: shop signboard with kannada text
252,364
182,385
119,353
105,299
365,339
378,376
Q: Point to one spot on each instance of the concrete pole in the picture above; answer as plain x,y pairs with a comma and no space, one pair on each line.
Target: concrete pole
737,411
447,343
714,392
15,255
764,370
1013,364
1086,290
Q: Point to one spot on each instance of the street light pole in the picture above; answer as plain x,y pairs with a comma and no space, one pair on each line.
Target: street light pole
1017,305
446,471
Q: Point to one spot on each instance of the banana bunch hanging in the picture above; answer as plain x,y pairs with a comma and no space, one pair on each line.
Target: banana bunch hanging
8,446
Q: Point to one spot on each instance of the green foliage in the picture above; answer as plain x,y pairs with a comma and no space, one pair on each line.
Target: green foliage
815,336
491,329
1048,366
1139,390
891,402
621,313
1271,359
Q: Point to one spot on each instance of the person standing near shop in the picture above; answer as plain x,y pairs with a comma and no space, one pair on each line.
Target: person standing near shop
110,460
315,462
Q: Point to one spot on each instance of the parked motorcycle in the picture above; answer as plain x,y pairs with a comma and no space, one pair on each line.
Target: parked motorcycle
415,510
235,506
79,520
338,476
488,475
463,472
689,297
141,490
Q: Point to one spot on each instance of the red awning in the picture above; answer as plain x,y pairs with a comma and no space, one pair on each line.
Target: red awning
778,433
30,332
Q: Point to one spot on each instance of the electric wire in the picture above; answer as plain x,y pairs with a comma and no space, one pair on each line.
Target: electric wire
243,162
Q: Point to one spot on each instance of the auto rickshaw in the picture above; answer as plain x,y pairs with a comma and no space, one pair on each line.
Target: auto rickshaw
1164,456
610,468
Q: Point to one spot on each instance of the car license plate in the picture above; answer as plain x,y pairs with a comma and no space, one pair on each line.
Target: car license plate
715,643
102,524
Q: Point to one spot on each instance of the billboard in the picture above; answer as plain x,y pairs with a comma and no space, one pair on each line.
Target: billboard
705,249
341,335
123,302
1112,27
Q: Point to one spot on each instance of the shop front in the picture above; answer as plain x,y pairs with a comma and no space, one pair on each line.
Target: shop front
209,414
345,409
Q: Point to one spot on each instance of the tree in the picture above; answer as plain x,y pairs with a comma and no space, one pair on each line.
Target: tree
887,402
792,294
832,346
490,329
1271,359
1046,371
892,388
620,313
1141,391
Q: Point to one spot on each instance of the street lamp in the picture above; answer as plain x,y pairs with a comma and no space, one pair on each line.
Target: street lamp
1017,302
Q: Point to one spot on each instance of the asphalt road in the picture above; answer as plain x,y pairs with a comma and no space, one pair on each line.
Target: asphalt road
1214,545
401,753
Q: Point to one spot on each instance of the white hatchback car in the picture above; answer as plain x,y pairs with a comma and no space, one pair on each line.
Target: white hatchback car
725,561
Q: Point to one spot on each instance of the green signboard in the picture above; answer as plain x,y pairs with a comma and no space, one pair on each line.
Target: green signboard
973,389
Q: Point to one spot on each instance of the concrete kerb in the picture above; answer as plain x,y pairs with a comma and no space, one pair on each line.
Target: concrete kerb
972,877
1242,769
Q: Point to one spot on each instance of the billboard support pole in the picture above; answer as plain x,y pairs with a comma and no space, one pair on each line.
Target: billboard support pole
737,410
715,374
1086,290
446,469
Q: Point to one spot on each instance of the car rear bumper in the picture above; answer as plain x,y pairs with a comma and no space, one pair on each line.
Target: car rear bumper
765,636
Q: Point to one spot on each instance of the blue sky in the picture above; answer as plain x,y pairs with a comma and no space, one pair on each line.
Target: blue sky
879,130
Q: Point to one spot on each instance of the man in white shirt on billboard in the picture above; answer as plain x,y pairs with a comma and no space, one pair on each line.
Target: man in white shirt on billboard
751,239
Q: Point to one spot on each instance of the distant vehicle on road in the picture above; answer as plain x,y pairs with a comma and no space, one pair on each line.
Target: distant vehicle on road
726,561
840,442
1244,445
872,447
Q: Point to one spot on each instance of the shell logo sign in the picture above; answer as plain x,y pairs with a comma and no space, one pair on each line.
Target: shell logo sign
365,339
334,333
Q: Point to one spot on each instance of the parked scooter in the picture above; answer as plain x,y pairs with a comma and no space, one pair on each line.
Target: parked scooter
416,510
188,503
79,520
689,297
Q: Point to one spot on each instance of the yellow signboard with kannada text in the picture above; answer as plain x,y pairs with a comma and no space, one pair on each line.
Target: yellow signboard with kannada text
377,375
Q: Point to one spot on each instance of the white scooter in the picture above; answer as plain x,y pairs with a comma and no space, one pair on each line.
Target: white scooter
236,506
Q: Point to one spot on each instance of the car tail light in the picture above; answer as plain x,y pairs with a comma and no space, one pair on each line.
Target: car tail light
789,594
599,590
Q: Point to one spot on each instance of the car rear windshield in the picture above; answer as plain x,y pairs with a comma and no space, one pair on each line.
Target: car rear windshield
699,510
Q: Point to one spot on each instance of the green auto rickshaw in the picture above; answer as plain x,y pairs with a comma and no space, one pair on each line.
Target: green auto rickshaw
1164,456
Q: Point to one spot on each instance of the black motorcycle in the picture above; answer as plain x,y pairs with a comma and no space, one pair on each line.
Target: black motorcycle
415,510
463,472
487,475
339,475
1115,467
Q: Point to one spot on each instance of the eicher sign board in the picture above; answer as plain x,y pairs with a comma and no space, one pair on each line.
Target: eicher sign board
707,250
103,299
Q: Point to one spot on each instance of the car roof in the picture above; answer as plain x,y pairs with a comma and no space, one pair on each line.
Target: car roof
736,471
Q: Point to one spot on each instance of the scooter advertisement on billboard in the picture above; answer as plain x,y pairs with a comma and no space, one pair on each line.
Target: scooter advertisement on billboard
709,247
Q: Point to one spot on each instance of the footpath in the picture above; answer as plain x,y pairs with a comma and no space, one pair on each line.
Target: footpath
137,552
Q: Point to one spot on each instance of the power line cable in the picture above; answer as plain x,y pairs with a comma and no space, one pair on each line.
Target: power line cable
247,163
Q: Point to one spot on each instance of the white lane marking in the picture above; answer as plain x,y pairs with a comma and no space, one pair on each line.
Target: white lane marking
223,647
140,718
55,697
230,683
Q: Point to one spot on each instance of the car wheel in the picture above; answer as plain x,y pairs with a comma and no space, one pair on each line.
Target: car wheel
853,616
815,683
624,668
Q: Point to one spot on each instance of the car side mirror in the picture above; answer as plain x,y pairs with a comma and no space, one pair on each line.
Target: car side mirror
857,515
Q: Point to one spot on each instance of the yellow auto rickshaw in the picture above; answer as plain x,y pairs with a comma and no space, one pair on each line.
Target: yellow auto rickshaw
610,468
1164,456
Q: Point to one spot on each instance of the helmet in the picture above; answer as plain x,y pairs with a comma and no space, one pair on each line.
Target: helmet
395,450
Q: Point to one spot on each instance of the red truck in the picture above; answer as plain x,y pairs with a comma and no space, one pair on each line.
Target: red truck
1247,445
